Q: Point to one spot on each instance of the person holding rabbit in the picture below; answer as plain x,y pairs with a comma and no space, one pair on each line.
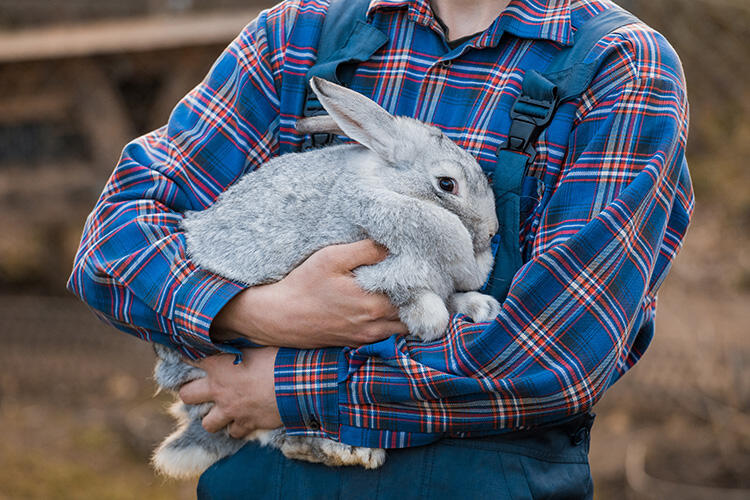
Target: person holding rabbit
403,184
497,407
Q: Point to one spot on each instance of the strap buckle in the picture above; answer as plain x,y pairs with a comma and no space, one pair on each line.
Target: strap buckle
314,108
529,118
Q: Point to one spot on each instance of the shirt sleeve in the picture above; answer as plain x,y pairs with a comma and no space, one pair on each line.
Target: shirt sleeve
132,267
578,313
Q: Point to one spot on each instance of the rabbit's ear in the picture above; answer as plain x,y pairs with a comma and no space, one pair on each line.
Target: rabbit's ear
358,117
318,124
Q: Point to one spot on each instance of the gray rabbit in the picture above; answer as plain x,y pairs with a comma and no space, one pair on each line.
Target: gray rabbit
404,185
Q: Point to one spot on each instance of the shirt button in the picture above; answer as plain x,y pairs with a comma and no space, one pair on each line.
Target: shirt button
444,64
580,436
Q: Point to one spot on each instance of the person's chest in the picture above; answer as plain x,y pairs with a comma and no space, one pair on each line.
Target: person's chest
467,91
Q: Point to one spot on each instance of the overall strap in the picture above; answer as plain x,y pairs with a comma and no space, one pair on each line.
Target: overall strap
346,37
566,78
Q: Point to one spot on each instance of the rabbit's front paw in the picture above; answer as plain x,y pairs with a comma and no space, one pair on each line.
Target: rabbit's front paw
478,306
425,316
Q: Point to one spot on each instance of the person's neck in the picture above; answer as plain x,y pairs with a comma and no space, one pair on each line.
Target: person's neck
466,17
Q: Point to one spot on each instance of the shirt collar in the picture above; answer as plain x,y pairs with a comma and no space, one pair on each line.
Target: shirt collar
534,19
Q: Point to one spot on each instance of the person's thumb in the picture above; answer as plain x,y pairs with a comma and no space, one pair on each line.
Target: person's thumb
348,256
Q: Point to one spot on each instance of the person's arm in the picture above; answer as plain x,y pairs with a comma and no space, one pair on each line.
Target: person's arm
132,266
318,304
569,327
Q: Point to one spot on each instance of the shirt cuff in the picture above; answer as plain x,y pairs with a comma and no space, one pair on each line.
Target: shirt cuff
307,391
197,300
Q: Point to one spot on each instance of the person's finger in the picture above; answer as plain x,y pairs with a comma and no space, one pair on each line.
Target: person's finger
346,257
196,392
237,431
377,331
392,314
376,306
216,420
384,307
384,329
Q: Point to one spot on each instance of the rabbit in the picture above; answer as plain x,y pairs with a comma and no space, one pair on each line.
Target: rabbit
405,185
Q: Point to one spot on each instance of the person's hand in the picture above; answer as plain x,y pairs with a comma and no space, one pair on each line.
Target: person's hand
243,394
318,304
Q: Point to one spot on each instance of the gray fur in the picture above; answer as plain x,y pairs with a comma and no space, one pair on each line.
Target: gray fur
384,188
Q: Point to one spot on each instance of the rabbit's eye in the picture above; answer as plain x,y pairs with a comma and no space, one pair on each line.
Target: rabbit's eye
447,184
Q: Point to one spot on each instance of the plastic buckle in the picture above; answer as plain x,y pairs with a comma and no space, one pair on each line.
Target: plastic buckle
320,140
521,137
315,141
525,127
314,108
547,106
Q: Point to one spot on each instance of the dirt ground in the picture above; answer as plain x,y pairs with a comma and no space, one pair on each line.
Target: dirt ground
78,418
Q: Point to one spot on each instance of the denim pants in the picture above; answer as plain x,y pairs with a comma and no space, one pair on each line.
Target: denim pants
549,463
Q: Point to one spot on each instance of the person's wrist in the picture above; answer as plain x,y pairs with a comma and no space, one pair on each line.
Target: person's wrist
248,315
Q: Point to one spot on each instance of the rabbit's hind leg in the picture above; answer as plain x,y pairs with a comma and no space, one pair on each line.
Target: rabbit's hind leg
331,453
190,450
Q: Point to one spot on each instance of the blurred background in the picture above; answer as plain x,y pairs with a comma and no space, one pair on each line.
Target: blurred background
79,78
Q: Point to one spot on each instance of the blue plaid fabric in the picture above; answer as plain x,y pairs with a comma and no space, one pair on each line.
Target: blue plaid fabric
597,241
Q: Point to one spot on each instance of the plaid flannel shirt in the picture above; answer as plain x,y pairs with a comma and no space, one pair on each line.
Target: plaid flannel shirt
580,311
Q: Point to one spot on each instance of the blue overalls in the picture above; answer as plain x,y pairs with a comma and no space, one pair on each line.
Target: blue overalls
550,462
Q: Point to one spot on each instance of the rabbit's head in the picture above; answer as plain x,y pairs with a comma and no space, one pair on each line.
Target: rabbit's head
411,158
